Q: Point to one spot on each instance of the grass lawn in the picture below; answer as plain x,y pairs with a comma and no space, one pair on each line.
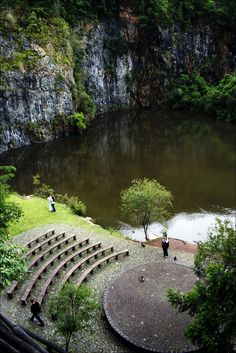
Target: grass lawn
36,213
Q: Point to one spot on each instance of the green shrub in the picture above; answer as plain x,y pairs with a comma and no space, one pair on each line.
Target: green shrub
189,92
44,191
222,98
62,198
78,119
193,92
77,206
82,100
21,60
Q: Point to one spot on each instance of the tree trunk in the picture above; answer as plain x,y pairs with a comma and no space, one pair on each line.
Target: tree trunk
145,228
68,342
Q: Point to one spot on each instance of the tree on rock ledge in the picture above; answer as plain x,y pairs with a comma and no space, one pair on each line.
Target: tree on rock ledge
212,300
145,201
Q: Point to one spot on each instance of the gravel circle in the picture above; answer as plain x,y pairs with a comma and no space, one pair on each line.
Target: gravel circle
137,308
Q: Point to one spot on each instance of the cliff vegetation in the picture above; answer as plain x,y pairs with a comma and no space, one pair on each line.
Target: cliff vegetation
61,61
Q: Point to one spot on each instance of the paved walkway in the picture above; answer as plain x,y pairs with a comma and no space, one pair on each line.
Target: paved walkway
99,338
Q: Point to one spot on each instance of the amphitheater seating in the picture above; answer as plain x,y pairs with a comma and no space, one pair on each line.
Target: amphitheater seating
40,237
41,256
84,261
39,273
62,264
12,288
50,253
35,241
57,246
45,242
98,263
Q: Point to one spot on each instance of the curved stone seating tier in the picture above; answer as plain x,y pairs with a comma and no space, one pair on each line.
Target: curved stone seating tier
56,270
69,273
45,235
36,240
46,242
49,253
41,256
86,260
12,288
97,264
41,270
57,246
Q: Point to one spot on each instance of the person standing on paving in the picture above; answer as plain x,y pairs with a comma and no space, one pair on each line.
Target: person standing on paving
36,310
165,245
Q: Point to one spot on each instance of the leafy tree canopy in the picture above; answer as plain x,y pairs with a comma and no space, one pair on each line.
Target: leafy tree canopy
193,92
151,13
146,201
12,262
212,300
72,307
220,248
9,212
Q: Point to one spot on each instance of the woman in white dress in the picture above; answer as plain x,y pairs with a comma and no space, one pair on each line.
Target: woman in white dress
50,201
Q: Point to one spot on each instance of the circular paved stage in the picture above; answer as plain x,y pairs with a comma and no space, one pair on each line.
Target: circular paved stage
139,311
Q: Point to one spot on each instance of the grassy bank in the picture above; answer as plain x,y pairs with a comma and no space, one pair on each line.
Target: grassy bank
36,213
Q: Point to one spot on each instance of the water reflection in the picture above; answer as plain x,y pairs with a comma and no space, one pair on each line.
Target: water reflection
192,156
189,227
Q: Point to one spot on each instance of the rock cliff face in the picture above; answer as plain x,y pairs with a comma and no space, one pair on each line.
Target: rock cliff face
173,52
32,100
122,68
107,66
139,72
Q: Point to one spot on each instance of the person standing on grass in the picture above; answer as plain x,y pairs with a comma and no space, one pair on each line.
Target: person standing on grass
53,204
36,310
50,201
165,244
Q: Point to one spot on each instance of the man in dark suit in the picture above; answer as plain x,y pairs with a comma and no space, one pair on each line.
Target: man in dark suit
36,310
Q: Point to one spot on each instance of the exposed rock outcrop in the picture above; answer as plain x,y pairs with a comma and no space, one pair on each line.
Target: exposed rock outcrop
32,99
122,67
107,66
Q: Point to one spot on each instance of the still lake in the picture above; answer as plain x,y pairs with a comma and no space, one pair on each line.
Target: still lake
191,155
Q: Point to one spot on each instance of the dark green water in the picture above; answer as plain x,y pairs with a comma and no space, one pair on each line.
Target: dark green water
193,156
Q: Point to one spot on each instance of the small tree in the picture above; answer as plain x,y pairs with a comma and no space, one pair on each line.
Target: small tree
12,262
77,206
145,201
41,190
212,300
72,307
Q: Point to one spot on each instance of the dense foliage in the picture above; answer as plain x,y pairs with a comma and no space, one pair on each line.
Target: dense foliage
44,190
72,308
9,212
146,201
151,13
212,300
194,93
220,248
12,261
